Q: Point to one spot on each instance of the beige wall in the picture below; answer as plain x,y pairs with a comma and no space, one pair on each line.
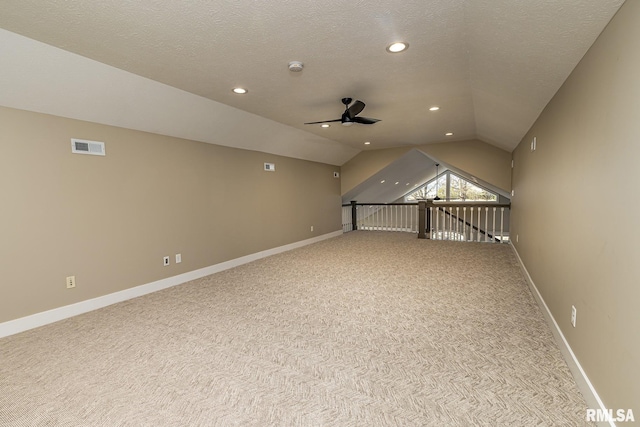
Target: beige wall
482,160
367,163
110,220
587,156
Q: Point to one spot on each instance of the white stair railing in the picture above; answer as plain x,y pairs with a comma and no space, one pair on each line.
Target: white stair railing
401,217
466,222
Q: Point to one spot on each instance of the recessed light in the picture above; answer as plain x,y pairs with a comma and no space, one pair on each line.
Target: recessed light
367,143
434,108
448,134
397,182
397,47
407,183
325,125
239,90
382,182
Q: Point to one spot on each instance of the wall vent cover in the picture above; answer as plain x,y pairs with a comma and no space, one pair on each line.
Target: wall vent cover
82,146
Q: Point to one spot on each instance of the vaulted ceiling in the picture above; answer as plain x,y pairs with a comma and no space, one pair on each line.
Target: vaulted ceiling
490,65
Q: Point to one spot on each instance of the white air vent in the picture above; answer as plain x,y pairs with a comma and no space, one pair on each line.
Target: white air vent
271,167
81,146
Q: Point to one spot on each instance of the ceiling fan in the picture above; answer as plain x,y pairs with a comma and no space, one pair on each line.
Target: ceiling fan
350,115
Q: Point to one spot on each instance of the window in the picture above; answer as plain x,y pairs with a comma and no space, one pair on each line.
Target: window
463,190
452,187
428,191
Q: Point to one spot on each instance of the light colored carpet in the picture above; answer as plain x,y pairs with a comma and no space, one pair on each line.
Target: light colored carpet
366,329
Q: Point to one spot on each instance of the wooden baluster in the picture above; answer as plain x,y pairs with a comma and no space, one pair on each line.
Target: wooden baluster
486,224
502,225
493,237
457,223
464,223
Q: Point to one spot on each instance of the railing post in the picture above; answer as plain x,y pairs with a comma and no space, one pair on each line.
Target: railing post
422,225
428,211
354,216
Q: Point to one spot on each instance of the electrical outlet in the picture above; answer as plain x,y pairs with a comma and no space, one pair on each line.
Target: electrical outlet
574,313
178,258
165,261
71,282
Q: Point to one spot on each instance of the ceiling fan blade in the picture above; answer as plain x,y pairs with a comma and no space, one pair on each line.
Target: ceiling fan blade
350,114
365,120
355,108
324,121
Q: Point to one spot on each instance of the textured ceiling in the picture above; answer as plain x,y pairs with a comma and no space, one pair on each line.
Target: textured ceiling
401,176
491,65
404,175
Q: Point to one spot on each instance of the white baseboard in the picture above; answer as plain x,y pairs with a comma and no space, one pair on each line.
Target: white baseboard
584,385
46,317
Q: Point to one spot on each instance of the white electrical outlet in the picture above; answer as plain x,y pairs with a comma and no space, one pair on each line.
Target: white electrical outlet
574,313
71,282
165,261
178,258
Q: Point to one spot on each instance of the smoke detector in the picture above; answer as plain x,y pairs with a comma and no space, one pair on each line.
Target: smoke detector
295,66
